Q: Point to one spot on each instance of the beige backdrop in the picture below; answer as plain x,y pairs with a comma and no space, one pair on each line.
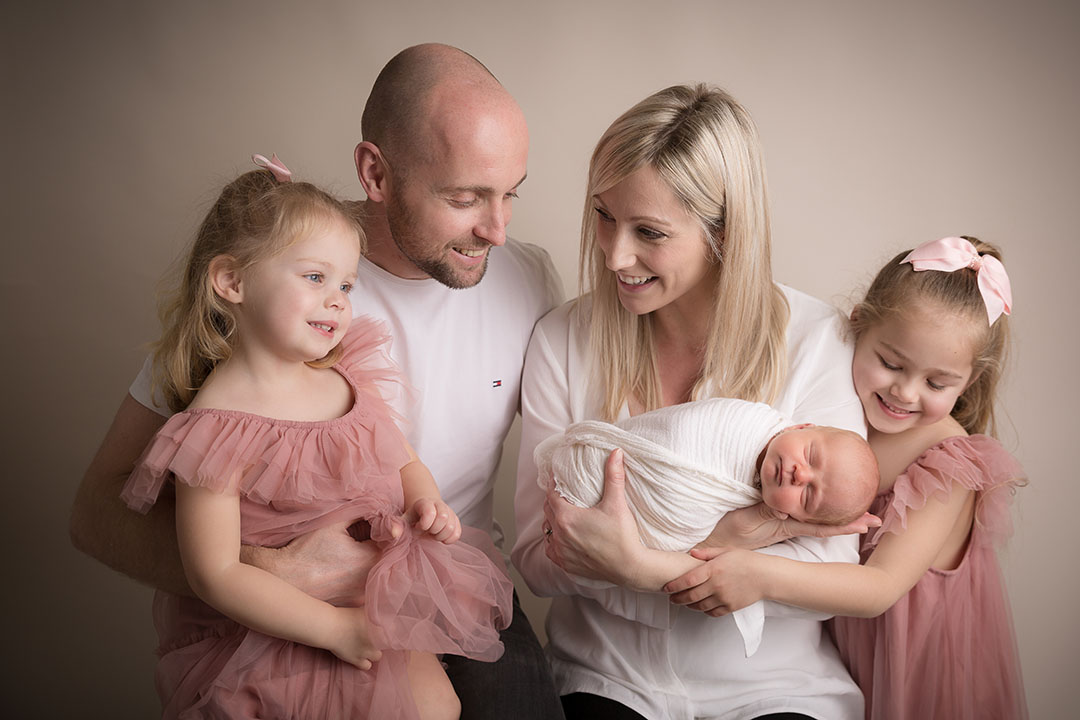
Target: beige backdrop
884,124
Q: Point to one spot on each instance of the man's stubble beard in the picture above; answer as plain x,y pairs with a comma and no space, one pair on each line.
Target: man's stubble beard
408,243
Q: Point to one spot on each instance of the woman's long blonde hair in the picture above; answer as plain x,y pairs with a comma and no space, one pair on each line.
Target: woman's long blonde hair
704,145
254,218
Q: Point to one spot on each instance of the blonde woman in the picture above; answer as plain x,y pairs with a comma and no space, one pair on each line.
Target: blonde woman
682,306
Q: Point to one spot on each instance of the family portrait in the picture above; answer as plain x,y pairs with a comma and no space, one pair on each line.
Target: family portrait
600,360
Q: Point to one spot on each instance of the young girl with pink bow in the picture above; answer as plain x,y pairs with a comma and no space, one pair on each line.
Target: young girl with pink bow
929,632
282,427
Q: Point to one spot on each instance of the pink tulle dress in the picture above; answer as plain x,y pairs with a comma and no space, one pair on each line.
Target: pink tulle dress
946,649
294,477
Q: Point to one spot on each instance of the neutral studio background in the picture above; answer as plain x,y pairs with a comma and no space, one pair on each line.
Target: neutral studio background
885,124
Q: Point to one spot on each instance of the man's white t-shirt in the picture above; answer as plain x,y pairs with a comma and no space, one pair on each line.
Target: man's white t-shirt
462,351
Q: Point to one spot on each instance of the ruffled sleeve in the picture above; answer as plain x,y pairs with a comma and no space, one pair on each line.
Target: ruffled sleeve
978,463
367,363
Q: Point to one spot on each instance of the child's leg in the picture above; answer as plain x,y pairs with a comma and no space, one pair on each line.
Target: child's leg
434,695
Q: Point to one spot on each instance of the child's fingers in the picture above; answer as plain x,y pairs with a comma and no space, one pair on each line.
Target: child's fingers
451,532
691,579
706,605
425,515
690,596
438,524
443,525
456,535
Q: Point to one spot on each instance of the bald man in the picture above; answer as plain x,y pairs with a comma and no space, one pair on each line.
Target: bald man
444,152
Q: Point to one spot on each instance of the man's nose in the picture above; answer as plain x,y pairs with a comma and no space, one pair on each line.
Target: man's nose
492,226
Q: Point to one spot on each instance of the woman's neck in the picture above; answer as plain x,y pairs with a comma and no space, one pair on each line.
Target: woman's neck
679,339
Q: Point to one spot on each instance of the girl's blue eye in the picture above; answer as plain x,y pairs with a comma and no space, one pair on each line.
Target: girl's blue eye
314,277
346,288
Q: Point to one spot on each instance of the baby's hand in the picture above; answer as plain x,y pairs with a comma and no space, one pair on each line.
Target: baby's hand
353,639
433,516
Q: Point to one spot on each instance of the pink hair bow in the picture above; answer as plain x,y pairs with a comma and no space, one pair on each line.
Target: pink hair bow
955,253
275,166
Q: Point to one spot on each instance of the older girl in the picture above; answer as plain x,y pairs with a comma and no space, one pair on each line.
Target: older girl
931,634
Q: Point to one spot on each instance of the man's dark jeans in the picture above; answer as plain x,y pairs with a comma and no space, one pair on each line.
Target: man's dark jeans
518,686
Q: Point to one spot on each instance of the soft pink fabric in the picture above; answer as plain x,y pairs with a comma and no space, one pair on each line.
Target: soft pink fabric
294,477
947,648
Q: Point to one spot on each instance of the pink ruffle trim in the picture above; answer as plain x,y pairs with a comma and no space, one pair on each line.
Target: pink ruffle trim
976,462
279,460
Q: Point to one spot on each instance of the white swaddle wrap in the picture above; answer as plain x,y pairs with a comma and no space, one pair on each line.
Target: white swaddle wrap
686,466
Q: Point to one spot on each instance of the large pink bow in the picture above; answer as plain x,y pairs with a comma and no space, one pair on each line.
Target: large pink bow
275,166
955,253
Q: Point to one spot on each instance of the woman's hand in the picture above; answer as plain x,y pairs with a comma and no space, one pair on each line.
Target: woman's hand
353,638
729,580
600,542
433,516
759,525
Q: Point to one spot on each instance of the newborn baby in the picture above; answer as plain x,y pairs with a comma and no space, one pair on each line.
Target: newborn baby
687,465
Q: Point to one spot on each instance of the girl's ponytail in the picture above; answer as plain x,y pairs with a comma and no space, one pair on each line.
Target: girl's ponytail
974,409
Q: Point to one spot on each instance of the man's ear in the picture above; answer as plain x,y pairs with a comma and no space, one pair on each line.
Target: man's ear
225,279
372,171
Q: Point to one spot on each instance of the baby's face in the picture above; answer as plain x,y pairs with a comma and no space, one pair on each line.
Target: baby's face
795,473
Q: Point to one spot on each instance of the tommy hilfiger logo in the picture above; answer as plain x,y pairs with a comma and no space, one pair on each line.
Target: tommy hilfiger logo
496,383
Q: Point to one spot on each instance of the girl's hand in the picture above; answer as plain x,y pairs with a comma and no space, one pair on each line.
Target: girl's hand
726,582
353,638
600,542
433,516
759,525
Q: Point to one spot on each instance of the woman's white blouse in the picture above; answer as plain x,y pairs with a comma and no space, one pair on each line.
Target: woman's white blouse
662,660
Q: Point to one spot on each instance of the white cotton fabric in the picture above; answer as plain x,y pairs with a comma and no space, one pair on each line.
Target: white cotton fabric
462,351
686,465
